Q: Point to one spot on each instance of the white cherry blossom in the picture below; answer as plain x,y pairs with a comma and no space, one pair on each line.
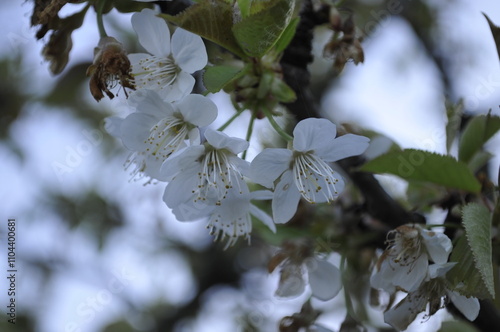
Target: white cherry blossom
304,170
435,291
204,174
232,219
158,129
405,262
168,67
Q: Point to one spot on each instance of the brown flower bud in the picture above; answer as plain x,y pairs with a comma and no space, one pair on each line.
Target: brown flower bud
111,67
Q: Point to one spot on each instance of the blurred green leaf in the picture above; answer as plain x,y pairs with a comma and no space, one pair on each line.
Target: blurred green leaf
495,31
454,326
454,114
477,132
411,164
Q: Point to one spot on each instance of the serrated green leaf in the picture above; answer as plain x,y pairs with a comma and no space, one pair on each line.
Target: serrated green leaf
216,77
419,165
476,220
464,277
212,20
478,131
287,35
454,114
257,33
422,195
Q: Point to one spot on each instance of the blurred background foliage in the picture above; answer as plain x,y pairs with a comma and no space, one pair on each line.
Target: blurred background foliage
75,229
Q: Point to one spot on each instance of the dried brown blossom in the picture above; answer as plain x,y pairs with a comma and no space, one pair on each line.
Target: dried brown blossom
111,67
345,48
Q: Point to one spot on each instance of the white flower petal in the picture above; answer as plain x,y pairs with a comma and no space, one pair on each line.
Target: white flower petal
405,312
191,210
261,195
286,199
189,51
180,189
410,277
324,279
310,134
440,270
135,59
182,160
197,110
220,140
344,146
268,165
182,87
438,246
152,32
135,130
291,282
469,306
263,217
112,125
150,102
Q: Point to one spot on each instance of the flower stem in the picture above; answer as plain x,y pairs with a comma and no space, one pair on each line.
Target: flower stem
231,119
249,134
347,296
276,126
100,23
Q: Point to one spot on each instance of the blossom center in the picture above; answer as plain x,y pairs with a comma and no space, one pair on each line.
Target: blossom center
165,137
156,72
217,175
314,178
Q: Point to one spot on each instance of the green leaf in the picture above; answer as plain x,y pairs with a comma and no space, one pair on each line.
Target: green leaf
477,223
287,35
426,166
212,20
473,274
454,114
216,77
464,277
257,33
478,131
454,326
244,6
495,31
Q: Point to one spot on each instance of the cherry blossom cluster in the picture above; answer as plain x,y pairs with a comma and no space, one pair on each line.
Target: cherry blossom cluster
170,140
416,262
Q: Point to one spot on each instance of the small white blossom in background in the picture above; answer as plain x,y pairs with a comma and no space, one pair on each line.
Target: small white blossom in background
435,291
304,170
297,256
168,67
232,219
158,129
204,174
404,263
